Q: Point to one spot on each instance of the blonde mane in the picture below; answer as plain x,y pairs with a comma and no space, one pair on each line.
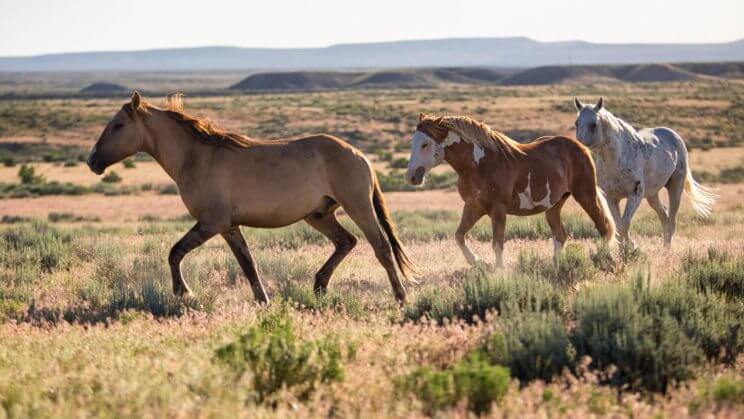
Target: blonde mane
480,134
203,129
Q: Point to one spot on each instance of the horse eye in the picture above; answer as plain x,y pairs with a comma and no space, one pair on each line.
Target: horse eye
593,125
424,145
117,126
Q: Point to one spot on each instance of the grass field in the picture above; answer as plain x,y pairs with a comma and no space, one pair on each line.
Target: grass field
89,326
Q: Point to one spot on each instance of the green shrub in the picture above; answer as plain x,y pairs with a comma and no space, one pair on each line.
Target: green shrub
128,164
714,324
70,163
532,345
40,188
649,349
29,250
727,390
715,272
395,181
278,358
472,379
9,161
399,163
142,283
572,266
170,189
28,176
604,260
66,217
483,291
305,297
111,177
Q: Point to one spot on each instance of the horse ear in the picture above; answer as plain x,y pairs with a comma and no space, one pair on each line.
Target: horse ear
422,116
599,104
578,104
136,100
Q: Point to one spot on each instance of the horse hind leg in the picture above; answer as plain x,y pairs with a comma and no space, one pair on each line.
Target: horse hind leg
675,187
327,224
655,202
362,212
600,211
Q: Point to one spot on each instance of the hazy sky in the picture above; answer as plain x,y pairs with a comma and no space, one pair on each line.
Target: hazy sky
46,26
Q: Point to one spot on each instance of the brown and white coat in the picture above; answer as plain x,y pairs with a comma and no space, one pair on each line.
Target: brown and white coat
498,176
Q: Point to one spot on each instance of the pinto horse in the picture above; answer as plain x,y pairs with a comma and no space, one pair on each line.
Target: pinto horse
227,180
497,176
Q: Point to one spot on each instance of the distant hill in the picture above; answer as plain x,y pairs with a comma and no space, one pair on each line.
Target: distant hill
419,78
104,88
410,78
464,52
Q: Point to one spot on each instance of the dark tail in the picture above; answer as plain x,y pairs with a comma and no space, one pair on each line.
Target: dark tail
407,268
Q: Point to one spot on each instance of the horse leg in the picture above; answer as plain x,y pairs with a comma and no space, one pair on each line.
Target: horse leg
193,239
236,241
362,213
675,187
553,215
498,226
661,211
470,215
632,204
327,224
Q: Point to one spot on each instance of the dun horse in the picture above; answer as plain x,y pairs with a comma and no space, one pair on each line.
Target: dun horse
637,164
227,180
497,176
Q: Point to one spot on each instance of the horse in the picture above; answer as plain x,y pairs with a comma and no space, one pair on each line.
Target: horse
227,180
637,164
497,176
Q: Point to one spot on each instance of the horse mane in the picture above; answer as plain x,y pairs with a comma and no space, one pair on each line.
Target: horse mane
202,129
619,125
480,134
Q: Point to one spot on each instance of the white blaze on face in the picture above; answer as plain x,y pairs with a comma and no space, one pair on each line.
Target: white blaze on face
478,153
423,149
525,197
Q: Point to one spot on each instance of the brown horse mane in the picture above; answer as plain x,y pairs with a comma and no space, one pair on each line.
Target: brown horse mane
202,129
475,132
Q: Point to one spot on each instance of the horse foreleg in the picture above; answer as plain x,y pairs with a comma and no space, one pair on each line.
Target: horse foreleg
239,247
470,215
193,239
553,216
498,226
631,206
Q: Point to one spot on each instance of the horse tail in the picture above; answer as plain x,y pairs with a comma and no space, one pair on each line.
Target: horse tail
702,197
406,266
608,221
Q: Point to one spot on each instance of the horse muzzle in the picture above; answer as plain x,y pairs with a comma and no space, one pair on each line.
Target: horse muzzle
417,177
94,163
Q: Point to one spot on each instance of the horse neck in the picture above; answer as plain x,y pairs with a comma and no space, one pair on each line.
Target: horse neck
617,135
168,143
460,157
